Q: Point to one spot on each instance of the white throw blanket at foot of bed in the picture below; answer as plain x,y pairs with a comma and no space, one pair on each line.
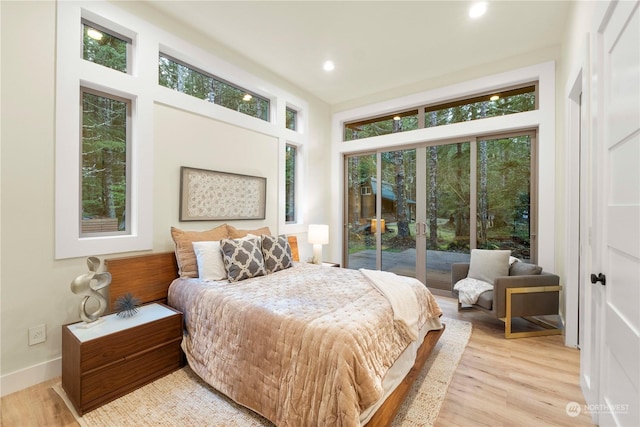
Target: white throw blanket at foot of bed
398,291
469,289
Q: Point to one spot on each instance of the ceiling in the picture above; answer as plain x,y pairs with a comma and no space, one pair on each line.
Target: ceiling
376,45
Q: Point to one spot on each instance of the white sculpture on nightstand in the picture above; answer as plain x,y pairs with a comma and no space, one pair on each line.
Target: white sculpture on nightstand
89,284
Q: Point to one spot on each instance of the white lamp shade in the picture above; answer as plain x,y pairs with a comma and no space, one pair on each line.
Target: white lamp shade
318,234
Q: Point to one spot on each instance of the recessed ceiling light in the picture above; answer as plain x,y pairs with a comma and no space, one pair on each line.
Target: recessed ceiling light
247,97
494,98
94,34
396,118
477,9
328,66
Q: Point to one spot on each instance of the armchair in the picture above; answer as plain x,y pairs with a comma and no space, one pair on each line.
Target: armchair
516,295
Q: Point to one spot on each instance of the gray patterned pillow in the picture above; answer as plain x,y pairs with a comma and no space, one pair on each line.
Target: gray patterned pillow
276,252
242,258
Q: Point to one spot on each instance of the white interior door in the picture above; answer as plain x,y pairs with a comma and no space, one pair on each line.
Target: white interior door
618,58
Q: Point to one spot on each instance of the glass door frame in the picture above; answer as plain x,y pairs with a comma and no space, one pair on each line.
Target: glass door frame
421,199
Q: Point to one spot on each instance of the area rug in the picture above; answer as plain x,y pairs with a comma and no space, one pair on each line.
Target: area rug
183,399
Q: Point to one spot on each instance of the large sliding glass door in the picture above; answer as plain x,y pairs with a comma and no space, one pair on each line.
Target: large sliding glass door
381,213
506,213
360,246
448,210
417,211
398,212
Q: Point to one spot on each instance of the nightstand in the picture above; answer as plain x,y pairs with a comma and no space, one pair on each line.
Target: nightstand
105,361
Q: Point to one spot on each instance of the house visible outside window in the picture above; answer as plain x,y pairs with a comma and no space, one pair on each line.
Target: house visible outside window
104,47
104,172
498,103
292,119
184,78
290,183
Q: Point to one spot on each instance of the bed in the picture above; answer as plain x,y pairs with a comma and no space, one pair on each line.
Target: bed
306,345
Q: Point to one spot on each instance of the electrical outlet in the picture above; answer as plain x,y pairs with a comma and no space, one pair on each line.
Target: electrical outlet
37,334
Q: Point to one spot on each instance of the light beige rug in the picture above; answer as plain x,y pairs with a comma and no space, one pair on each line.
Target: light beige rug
183,399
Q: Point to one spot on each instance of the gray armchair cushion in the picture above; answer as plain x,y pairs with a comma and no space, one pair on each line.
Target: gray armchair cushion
524,269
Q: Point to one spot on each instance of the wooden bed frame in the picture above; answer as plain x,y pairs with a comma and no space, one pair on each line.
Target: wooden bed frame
148,277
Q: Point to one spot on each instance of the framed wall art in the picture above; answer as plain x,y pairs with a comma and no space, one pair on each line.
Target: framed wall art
207,195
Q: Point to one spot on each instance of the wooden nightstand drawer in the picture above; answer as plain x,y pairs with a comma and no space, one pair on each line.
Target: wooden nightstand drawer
103,385
105,361
116,346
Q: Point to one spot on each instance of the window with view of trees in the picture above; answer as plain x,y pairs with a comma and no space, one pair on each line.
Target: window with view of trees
399,122
104,194
292,119
290,183
492,208
181,77
104,47
498,103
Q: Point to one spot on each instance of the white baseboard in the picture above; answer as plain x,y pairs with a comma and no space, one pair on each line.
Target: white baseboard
25,378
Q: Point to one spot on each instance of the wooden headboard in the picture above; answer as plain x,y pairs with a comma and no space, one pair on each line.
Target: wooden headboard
147,277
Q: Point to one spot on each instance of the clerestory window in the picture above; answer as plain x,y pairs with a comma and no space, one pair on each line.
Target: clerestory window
184,78
105,47
291,119
497,103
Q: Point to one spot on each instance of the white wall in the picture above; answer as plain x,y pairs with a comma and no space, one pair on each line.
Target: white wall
35,286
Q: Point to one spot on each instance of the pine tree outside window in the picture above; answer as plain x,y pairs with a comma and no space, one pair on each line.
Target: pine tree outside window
184,78
105,47
104,171
498,103
292,119
290,183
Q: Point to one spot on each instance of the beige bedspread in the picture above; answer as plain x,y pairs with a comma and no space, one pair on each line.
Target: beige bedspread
306,346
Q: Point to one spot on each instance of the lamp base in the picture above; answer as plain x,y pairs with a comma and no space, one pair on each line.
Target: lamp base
317,254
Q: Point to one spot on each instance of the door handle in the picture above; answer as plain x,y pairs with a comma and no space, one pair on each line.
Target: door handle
599,278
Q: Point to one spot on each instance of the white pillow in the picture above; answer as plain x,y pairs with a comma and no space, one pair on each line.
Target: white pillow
486,264
209,260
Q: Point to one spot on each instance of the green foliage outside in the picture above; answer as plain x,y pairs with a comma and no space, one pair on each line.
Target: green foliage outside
290,169
104,158
502,183
182,78
109,51
104,135
445,116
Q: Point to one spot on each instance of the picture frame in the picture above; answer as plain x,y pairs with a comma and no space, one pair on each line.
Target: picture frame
207,195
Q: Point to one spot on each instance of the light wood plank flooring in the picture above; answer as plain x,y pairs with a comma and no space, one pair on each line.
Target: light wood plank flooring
521,382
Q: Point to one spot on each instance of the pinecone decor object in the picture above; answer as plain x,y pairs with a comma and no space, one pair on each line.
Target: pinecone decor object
127,305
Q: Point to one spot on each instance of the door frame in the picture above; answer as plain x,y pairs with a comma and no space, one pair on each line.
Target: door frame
577,155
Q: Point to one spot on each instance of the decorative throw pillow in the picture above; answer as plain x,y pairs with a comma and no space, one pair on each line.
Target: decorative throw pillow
185,255
209,259
276,252
486,265
235,233
242,258
524,269
210,262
